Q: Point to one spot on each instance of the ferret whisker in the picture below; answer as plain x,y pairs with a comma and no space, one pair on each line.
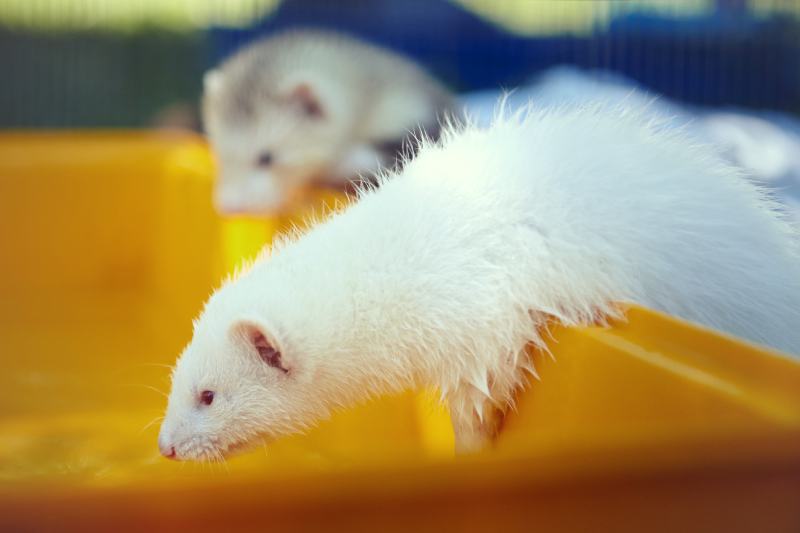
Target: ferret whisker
160,365
149,424
221,460
149,387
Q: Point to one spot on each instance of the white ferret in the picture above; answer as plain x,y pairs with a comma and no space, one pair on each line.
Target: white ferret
444,274
310,105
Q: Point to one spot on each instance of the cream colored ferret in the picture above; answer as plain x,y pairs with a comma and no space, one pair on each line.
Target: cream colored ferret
311,105
446,272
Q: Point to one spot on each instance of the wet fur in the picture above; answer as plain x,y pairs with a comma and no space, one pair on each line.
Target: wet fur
442,275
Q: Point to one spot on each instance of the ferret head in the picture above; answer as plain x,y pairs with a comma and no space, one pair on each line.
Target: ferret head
237,384
270,136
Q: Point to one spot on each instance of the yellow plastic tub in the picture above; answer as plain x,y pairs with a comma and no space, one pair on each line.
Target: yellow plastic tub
109,247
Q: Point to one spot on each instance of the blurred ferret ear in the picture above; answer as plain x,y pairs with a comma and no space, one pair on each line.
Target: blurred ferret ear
212,81
304,95
261,342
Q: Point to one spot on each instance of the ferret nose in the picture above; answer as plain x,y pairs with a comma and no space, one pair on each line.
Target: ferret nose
166,449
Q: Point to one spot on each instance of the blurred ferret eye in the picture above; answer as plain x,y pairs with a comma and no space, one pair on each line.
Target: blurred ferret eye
264,159
206,397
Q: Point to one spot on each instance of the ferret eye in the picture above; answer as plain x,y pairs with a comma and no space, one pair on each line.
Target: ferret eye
264,159
207,397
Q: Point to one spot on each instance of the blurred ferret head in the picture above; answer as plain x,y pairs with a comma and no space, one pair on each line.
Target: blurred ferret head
270,136
236,385
309,105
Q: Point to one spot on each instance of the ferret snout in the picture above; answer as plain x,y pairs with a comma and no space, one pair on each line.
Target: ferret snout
165,447
256,194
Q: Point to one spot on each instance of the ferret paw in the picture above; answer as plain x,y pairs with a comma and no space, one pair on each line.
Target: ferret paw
478,433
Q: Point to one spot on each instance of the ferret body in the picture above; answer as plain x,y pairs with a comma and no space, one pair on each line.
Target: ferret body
310,105
445,273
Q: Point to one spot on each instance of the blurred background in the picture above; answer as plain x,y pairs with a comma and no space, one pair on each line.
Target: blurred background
114,235
86,63
729,67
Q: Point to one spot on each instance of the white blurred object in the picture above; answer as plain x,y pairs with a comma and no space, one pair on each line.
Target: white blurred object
770,152
765,144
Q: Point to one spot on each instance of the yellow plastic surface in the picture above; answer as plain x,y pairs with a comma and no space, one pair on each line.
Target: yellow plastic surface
109,247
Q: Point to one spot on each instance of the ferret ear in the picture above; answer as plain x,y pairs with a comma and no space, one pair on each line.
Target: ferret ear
303,94
259,340
212,81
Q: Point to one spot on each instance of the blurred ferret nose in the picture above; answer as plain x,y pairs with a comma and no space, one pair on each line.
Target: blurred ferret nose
258,194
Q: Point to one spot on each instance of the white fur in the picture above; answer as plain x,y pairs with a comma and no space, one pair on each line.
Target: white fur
442,275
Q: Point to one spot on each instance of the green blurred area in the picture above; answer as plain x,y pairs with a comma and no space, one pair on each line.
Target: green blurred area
531,17
100,78
127,15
